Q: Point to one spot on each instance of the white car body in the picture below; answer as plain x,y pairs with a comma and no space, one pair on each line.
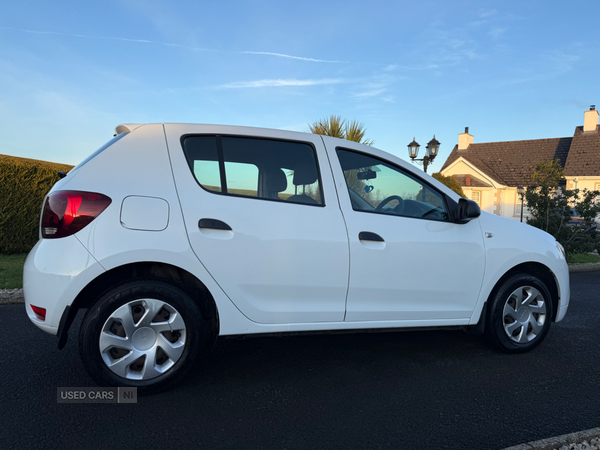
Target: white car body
283,267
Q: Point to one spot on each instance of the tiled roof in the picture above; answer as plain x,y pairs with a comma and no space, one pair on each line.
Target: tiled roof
511,163
468,180
584,156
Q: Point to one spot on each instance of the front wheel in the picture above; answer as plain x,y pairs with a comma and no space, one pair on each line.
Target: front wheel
142,334
520,314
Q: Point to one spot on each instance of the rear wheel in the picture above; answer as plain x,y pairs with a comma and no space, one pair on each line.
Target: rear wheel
520,314
142,334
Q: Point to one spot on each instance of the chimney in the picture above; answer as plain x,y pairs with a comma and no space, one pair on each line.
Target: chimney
590,119
465,139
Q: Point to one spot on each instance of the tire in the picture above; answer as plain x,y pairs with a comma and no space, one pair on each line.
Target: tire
143,334
520,314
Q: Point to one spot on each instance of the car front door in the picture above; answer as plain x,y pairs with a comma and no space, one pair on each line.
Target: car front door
263,217
409,262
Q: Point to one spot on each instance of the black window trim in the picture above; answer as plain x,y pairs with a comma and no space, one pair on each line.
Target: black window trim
222,165
404,171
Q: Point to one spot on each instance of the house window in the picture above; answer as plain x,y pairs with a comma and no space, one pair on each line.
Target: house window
518,206
476,197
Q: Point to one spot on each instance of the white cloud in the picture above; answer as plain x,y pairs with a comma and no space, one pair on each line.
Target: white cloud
281,55
394,67
168,44
488,13
111,38
279,83
496,32
562,60
370,93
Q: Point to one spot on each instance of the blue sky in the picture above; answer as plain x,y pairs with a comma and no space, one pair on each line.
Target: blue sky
71,71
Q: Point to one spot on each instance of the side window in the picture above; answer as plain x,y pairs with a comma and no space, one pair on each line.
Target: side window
377,186
203,159
242,178
254,167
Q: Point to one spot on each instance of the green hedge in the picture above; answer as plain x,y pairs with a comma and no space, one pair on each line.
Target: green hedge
23,185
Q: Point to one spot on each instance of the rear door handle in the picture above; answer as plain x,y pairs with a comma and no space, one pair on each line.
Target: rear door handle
369,236
213,224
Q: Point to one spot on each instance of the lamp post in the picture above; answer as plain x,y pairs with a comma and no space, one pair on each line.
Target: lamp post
432,151
521,192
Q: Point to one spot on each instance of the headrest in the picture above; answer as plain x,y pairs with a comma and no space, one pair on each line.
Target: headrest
305,174
277,181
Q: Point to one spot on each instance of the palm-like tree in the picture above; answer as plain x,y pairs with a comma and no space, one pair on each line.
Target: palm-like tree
338,127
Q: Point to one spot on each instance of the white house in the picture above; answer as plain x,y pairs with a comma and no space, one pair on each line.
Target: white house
490,173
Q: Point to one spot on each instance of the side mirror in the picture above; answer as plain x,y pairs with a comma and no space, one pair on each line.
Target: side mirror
467,210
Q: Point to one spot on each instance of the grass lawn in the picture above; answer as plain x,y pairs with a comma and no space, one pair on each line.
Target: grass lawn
11,271
584,258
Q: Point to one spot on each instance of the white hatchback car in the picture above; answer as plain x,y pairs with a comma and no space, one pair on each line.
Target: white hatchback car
171,235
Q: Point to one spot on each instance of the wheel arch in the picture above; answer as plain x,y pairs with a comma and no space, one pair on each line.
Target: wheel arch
538,270
137,271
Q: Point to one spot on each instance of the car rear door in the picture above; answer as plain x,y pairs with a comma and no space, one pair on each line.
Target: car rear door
262,215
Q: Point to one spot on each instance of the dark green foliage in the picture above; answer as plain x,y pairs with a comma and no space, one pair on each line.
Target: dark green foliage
450,182
550,207
23,185
338,127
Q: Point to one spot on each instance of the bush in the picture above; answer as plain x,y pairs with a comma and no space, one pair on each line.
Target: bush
23,185
450,182
552,206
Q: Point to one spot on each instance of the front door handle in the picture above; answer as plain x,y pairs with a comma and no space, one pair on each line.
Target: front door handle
213,224
369,236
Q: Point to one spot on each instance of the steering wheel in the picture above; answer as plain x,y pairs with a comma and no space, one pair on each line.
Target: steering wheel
431,211
398,209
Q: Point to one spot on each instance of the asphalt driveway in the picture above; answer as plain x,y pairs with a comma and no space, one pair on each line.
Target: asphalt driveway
401,390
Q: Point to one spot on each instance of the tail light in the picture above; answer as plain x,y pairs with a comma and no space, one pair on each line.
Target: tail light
67,212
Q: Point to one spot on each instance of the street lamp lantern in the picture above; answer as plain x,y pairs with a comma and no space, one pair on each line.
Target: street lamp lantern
432,147
432,150
413,149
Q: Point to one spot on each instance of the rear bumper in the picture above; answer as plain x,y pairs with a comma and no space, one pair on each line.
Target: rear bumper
55,272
